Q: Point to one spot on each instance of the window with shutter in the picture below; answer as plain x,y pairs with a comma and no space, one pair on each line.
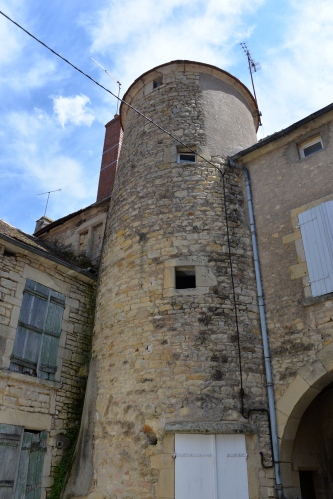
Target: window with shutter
22,458
10,442
39,327
316,227
210,467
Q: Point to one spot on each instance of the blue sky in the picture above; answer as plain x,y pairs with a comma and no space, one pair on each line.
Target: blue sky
52,118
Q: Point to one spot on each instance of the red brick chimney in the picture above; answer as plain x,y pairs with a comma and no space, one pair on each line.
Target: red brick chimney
111,150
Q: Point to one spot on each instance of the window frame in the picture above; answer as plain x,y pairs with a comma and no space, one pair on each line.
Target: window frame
50,331
186,154
308,143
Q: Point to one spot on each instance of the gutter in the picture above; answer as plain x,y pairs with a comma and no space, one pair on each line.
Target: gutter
285,131
54,259
269,380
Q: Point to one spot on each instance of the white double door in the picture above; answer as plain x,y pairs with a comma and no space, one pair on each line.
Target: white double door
210,467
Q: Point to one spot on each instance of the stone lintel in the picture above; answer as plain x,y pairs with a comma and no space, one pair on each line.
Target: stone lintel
210,427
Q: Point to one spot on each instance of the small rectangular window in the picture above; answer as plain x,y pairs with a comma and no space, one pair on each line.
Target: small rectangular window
185,277
185,157
158,82
311,147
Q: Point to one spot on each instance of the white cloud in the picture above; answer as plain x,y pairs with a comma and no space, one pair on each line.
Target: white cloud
39,162
11,39
73,110
297,77
144,33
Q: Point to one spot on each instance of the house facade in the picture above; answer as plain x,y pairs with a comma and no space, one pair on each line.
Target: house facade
165,270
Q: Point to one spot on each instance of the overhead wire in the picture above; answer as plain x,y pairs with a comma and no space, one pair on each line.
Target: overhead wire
220,170
110,92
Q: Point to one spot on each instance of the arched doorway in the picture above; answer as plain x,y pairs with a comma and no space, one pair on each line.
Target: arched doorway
312,455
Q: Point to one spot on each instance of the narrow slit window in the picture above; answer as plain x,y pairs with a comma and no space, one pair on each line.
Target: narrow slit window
185,277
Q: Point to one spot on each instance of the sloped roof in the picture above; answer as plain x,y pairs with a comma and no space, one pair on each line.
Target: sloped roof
11,234
62,220
283,132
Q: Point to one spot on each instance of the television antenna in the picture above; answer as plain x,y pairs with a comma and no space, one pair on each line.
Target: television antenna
47,201
35,218
112,78
253,68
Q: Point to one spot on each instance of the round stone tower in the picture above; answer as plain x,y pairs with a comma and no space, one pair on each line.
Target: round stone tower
165,336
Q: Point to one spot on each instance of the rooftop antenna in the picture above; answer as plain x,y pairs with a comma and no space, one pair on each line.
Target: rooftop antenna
30,216
47,192
112,78
253,67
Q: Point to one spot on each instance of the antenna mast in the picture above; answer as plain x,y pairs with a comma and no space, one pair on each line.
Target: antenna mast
253,68
112,78
47,192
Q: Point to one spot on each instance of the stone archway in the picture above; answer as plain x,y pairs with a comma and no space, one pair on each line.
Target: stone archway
310,381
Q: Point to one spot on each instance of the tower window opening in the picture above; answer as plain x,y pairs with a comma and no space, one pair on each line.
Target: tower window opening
186,157
158,82
185,277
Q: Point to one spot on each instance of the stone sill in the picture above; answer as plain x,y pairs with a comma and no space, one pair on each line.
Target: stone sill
317,299
23,378
210,427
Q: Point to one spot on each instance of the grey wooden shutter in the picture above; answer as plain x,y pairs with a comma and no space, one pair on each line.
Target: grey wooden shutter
39,328
316,228
52,331
30,329
10,442
30,470
35,468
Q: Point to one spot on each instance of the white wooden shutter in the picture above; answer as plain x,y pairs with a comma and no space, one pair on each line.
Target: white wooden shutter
316,228
231,467
194,470
210,467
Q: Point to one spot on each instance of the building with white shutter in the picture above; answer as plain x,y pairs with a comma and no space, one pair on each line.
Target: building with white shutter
211,363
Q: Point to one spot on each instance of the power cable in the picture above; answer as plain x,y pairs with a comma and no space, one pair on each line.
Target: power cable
221,171
114,95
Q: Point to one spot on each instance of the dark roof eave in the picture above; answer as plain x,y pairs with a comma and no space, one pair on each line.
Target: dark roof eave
41,253
62,220
283,132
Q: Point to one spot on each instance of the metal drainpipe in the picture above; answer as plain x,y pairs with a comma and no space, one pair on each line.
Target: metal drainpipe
270,390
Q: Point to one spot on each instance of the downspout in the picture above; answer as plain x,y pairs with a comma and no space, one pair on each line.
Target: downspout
269,381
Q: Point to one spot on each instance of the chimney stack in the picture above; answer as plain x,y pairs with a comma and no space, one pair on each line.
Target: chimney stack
42,222
111,150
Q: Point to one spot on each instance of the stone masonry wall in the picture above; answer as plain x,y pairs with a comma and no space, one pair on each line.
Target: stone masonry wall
299,327
32,402
168,355
81,235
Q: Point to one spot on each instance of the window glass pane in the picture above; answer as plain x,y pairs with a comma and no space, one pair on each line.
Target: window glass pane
187,157
312,149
